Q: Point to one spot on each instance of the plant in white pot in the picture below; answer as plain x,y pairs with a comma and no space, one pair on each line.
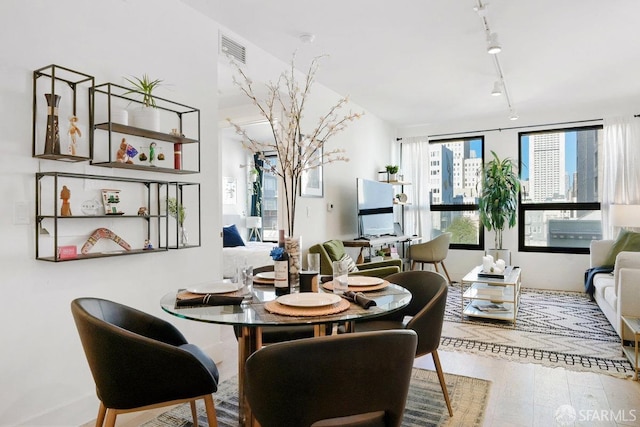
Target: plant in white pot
392,171
147,116
498,201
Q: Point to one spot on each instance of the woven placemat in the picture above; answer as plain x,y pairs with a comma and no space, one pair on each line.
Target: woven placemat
277,308
329,287
261,281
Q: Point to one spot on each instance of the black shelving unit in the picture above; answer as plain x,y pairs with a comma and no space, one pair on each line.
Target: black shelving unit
69,231
181,122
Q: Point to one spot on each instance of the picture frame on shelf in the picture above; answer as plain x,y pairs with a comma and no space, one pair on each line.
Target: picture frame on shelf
110,200
311,180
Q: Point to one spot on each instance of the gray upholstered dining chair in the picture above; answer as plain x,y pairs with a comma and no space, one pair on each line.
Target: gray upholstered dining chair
425,313
139,361
432,252
338,380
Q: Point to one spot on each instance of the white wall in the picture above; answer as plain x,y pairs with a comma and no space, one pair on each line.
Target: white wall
44,376
539,270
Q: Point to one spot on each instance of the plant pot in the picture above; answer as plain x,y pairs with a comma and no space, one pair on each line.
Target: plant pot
146,118
120,116
497,254
393,177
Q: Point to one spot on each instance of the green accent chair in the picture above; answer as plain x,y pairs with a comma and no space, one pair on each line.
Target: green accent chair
333,250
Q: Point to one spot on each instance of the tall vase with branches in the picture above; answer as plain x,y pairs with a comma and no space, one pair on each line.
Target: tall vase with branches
296,150
498,202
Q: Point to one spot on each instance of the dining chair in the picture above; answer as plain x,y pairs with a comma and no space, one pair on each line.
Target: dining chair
140,362
359,379
425,312
434,252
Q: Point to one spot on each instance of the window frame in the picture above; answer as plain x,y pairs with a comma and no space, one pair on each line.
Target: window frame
523,208
460,207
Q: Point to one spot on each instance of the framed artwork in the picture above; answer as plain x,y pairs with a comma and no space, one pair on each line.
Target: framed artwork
229,190
311,184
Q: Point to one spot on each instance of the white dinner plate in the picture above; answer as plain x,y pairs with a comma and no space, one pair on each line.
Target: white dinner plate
308,299
267,275
214,288
364,281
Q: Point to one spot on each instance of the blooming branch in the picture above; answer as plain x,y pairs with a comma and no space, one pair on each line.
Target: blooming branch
297,151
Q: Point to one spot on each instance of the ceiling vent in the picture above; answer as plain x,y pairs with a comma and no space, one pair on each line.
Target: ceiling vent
233,49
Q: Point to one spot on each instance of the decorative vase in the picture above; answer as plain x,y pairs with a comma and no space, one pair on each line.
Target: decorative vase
184,237
146,118
293,247
52,139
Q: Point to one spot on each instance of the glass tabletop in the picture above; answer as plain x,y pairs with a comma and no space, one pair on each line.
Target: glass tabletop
254,313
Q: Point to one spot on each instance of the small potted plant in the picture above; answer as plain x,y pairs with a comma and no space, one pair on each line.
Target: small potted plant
498,201
147,116
392,171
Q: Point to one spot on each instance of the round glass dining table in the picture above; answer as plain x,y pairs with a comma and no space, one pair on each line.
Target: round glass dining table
251,316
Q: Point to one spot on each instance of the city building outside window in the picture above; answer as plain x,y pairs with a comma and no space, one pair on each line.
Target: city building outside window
456,167
560,172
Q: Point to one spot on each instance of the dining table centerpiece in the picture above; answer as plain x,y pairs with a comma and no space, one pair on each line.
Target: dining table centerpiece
297,150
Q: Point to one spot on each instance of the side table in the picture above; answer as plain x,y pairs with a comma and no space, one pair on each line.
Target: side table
631,351
491,297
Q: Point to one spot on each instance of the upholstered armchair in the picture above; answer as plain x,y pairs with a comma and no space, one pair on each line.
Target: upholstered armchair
432,252
333,250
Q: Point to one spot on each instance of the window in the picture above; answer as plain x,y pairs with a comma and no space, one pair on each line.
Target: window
456,165
561,186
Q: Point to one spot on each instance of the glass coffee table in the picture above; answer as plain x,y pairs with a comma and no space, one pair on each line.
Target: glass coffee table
491,296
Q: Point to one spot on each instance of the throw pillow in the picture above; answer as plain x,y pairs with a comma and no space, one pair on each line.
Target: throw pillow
626,241
351,264
335,249
231,237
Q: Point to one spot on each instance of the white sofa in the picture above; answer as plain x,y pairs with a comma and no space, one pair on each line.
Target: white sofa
618,292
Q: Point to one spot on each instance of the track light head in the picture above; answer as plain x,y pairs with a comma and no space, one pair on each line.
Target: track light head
493,46
513,116
497,89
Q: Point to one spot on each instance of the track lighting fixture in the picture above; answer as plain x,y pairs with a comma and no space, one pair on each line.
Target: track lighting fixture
497,89
513,116
493,46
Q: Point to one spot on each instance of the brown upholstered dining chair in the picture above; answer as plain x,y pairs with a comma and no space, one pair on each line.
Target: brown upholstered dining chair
425,313
432,252
338,380
139,361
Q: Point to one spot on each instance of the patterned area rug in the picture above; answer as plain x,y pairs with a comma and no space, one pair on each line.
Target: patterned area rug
425,404
556,329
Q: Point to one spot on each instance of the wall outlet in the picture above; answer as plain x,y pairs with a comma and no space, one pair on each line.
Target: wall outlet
329,207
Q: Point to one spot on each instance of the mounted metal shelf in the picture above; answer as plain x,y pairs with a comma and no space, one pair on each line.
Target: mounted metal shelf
177,135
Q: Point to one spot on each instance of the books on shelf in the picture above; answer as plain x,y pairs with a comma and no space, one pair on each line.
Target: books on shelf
483,290
491,307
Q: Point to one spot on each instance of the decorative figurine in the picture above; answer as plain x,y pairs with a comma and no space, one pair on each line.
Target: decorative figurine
65,195
121,155
125,152
142,211
74,133
152,154
147,245
52,140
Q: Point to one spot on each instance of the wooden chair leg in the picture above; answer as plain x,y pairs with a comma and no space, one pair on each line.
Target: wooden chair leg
413,265
102,411
211,411
194,413
445,271
443,385
111,418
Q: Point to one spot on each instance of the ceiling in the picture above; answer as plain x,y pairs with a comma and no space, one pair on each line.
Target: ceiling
419,62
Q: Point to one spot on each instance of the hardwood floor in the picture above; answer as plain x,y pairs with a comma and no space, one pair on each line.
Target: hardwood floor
521,394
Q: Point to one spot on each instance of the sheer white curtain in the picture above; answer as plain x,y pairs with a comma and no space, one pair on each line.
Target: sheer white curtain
415,168
621,164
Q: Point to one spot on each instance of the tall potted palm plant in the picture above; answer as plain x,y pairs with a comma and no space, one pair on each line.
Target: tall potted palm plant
498,201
